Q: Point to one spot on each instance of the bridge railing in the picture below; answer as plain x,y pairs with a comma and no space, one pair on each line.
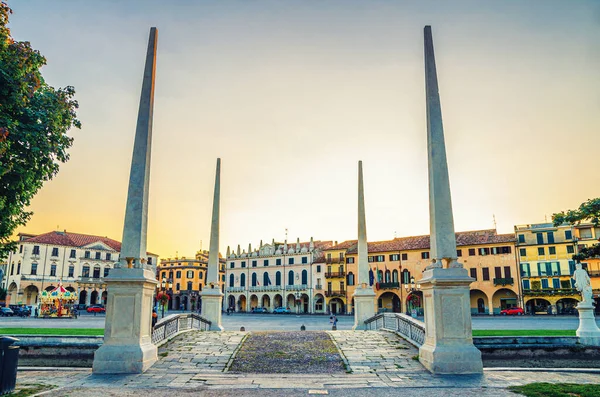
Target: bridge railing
409,328
171,325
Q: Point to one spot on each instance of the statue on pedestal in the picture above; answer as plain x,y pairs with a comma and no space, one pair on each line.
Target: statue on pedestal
583,285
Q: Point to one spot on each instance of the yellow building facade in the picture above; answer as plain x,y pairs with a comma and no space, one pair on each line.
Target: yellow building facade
183,279
546,267
588,235
397,265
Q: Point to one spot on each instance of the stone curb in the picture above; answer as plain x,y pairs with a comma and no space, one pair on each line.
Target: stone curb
572,370
235,352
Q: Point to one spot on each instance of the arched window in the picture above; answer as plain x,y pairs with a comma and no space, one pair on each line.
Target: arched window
371,277
379,276
171,274
291,277
388,276
266,280
243,280
350,278
107,270
189,286
304,277
405,276
278,278
395,276
254,279
231,280
96,271
85,271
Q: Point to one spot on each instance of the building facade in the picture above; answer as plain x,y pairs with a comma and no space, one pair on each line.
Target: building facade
547,266
184,278
276,275
397,265
79,261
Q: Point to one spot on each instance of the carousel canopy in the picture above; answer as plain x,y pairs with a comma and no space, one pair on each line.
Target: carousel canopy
59,292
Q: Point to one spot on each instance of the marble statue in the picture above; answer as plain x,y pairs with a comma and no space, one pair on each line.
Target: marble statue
583,284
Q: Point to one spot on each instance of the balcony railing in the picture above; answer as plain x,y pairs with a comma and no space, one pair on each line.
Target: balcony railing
335,293
298,287
334,260
268,288
389,285
236,289
594,273
318,286
550,291
504,281
335,274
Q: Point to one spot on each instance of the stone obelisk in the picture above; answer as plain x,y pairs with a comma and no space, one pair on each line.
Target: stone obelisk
448,347
128,346
364,296
212,297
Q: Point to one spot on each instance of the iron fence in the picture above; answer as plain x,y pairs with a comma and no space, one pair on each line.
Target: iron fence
409,328
171,325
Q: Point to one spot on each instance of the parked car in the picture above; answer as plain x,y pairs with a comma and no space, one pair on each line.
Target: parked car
259,310
6,312
80,307
513,311
21,311
96,309
282,310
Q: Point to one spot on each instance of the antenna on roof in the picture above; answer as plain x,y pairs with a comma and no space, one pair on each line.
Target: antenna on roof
394,234
200,245
494,216
286,233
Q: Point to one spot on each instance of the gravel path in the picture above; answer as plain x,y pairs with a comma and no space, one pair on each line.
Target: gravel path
304,352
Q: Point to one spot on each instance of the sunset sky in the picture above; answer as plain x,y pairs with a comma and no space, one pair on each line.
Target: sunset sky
291,94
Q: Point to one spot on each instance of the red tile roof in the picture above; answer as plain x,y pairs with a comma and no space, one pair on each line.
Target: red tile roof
74,240
475,237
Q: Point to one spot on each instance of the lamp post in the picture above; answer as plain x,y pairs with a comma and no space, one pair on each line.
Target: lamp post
412,287
164,284
298,296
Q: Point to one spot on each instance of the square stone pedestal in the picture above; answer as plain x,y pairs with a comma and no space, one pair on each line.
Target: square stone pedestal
588,331
448,347
364,305
128,346
212,303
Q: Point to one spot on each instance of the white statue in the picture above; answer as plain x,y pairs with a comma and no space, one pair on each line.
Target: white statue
583,284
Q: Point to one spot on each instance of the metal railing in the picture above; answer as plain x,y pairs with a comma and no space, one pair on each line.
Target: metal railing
335,274
389,285
504,281
409,328
550,291
334,260
335,293
171,325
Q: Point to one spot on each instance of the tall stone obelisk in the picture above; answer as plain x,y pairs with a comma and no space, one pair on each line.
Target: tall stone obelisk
212,297
448,347
364,296
128,346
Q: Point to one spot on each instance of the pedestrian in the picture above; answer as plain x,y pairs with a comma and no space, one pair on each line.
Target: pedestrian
154,317
335,321
330,319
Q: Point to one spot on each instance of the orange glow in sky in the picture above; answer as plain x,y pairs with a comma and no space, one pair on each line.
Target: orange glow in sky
292,94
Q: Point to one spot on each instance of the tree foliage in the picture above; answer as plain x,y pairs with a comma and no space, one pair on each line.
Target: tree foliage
34,121
588,211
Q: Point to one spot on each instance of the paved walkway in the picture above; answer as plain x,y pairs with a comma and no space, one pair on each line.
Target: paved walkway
198,361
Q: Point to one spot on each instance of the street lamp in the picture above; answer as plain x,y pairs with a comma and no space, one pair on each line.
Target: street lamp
164,284
412,287
298,296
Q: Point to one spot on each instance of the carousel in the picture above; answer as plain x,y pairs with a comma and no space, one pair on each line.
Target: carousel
58,302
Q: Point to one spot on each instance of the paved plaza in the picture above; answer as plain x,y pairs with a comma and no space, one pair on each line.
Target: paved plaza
197,362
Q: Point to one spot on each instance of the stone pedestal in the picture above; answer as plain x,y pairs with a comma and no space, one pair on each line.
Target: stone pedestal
212,301
588,331
448,347
364,306
128,346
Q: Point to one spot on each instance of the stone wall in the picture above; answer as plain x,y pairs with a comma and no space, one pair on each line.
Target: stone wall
57,351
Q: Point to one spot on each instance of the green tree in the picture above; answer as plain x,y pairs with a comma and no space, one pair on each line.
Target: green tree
588,211
34,121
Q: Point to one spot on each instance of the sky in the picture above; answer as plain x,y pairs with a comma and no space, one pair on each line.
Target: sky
290,95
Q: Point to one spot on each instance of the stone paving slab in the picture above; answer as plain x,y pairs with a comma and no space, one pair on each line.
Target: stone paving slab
201,370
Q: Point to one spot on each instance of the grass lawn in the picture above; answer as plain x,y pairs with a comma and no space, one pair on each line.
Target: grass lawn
52,331
557,390
524,332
